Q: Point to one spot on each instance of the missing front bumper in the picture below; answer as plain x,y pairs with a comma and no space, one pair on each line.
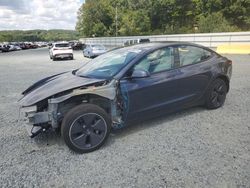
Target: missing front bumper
39,118
36,123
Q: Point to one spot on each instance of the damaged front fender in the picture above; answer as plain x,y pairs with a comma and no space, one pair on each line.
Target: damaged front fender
107,91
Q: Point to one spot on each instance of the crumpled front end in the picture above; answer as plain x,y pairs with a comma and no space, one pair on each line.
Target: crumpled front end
39,121
49,112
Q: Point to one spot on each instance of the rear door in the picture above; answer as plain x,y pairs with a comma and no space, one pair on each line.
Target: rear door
194,72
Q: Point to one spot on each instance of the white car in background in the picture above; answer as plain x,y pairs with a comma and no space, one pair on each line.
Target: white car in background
61,50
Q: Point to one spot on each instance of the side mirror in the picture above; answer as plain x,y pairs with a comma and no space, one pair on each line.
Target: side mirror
140,73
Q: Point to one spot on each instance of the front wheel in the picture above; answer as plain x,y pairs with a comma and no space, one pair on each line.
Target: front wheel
85,128
216,94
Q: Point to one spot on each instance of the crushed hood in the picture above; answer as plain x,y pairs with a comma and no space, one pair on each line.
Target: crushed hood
52,85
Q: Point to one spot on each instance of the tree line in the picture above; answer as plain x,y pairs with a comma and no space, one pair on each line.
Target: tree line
143,17
38,35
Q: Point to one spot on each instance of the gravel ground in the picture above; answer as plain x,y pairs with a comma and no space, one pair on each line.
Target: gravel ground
193,148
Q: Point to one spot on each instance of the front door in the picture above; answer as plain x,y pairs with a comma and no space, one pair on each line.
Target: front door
157,93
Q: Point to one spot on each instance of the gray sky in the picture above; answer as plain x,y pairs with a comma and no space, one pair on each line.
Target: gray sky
38,14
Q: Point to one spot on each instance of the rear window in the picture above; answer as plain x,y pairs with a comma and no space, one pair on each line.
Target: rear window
62,45
192,55
98,47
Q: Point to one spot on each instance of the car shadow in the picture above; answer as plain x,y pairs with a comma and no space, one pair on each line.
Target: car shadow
149,123
50,138
66,59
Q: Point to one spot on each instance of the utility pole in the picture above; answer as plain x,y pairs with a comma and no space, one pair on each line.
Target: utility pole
116,18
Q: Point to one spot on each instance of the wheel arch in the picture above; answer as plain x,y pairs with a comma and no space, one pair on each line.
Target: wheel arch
225,79
95,99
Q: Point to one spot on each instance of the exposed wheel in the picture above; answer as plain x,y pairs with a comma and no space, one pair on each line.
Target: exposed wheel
53,58
72,57
216,94
85,128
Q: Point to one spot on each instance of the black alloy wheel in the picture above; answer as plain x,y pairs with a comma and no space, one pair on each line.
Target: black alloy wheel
85,128
88,130
216,94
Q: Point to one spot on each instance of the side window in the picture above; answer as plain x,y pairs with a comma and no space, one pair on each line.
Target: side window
192,55
157,61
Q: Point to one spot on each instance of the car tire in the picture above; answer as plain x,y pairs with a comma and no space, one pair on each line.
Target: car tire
85,128
216,94
53,58
72,57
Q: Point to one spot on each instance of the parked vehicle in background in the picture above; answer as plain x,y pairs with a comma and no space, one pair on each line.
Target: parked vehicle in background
136,41
50,44
61,50
23,46
14,47
78,46
4,48
93,50
41,44
28,45
125,85
1,47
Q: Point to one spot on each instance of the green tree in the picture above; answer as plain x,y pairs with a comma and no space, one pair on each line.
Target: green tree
135,23
37,35
215,22
237,12
139,17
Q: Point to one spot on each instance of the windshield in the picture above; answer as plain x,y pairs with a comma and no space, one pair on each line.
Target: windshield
107,65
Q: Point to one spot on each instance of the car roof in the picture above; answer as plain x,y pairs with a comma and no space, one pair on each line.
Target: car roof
143,47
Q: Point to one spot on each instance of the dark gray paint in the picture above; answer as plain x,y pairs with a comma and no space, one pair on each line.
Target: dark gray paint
54,85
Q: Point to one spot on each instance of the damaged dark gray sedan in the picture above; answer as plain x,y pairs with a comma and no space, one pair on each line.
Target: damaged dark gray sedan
124,85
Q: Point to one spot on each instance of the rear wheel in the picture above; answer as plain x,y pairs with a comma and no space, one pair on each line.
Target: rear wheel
53,58
85,128
216,94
